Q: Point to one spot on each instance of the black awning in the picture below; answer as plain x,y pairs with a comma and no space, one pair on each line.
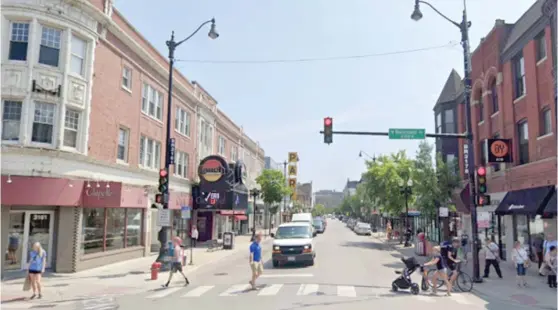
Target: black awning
529,201
551,206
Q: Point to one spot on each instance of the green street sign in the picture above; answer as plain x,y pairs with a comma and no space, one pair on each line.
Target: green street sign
407,133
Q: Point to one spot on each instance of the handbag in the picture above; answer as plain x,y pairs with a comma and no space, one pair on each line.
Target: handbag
526,263
27,284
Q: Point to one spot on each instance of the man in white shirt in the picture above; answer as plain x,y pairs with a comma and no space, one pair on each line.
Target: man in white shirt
492,257
194,235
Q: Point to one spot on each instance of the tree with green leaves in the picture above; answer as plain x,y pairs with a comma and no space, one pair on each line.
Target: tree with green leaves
319,210
273,189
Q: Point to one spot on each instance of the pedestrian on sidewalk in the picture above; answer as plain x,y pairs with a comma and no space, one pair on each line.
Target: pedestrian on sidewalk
521,259
539,250
388,231
177,260
551,266
256,260
194,235
491,257
37,264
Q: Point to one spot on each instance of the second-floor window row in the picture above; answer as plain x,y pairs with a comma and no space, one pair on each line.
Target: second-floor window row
152,102
149,153
182,121
44,123
181,164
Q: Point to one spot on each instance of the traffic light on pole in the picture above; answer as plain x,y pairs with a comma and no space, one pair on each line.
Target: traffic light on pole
163,196
328,130
482,198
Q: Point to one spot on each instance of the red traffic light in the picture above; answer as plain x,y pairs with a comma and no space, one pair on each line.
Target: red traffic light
328,121
162,173
481,171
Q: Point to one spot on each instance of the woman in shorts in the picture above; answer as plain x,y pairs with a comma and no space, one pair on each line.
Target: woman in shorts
441,270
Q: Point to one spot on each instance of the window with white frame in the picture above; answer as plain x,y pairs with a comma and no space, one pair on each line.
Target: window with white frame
43,123
222,146
150,153
181,165
127,78
519,75
11,120
123,138
234,153
77,60
19,41
152,102
182,121
71,125
49,53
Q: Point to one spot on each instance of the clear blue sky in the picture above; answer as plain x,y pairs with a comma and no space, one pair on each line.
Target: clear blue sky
283,105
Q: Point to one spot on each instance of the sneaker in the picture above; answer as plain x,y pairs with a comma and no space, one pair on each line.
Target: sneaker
165,285
40,296
33,296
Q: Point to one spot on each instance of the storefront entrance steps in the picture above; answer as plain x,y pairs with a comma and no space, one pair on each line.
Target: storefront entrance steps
536,295
121,278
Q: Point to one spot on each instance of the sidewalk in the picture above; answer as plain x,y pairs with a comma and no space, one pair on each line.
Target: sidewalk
121,278
537,294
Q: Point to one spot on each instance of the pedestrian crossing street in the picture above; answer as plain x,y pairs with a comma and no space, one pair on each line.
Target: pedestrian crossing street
301,290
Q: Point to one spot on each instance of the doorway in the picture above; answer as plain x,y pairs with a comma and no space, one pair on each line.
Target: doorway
26,228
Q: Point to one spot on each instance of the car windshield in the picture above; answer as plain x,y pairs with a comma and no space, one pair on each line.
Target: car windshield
293,232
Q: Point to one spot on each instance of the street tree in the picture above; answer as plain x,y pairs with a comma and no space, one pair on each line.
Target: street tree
319,210
273,189
425,185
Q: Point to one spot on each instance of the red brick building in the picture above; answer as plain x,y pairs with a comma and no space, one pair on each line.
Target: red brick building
513,97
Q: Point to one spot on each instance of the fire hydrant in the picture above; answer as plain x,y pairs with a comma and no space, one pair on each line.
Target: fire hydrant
155,267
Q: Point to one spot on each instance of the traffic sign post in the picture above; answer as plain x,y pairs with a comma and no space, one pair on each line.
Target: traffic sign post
407,134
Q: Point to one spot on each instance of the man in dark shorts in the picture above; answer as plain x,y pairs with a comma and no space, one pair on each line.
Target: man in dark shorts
176,263
449,254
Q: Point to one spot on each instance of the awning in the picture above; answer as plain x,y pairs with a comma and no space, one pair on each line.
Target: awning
551,206
240,217
529,201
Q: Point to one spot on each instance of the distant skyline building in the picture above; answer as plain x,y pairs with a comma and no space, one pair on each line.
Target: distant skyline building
330,199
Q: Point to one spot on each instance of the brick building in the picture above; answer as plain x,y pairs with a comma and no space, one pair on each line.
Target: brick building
513,97
83,136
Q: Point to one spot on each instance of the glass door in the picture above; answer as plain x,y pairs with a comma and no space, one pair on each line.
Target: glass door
16,234
38,228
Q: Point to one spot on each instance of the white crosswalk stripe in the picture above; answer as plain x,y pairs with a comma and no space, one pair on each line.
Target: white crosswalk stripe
235,290
346,291
198,291
308,289
164,292
270,290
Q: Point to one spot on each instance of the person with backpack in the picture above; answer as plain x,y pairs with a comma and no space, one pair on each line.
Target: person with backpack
177,253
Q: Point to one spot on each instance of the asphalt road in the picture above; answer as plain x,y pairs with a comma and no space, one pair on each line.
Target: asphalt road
351,272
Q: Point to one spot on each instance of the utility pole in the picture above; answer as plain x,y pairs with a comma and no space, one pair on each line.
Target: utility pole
285,196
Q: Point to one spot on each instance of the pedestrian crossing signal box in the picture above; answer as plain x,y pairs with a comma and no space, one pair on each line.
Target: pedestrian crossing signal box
483,200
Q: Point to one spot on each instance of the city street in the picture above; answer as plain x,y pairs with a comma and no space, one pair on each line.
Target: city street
352,272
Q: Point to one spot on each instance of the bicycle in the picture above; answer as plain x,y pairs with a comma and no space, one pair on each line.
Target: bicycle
463,280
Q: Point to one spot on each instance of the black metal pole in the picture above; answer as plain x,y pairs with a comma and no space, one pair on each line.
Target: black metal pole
163,233
254,218
284,197
464,27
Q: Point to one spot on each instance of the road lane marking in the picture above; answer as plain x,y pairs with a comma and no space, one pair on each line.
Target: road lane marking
198,291
346,291
308,289
270,290
292,275
164,292
235,290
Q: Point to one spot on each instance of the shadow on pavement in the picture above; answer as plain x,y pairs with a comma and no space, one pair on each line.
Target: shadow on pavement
366,245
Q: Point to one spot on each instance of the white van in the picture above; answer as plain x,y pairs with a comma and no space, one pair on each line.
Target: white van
302,217
293,243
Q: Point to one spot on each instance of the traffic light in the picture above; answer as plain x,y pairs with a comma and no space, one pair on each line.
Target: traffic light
481,180
328,130
483,200
163,181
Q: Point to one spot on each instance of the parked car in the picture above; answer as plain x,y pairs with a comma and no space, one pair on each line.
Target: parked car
363,229
318,225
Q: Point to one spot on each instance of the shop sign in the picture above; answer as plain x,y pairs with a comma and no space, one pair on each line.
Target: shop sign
483,219
185,212
99,194
212,169
466,158
444,212
499,150
516,207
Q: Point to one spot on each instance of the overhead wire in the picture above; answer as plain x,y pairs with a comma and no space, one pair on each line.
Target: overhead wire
316,59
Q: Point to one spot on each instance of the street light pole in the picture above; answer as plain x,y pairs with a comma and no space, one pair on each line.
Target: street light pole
172,45
255,193
373,158
469,160
285,196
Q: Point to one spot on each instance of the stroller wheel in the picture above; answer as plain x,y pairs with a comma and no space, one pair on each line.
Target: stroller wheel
415,289
394,287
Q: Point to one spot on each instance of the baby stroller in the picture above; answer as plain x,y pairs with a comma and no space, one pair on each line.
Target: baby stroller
404,281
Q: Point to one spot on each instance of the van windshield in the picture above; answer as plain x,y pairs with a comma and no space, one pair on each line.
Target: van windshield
293,232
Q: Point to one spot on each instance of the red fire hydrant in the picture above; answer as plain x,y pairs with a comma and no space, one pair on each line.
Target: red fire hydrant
155,267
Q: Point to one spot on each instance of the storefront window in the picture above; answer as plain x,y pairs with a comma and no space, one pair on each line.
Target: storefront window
133,227
115,228
123,229
536,227
93,230
522,230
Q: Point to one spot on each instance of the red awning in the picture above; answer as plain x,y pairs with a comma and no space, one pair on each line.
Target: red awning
40,191
240,217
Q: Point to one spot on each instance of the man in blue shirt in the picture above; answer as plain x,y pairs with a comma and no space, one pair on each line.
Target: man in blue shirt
256,260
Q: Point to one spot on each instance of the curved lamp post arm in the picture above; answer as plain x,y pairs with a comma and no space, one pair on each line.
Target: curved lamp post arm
196,31
440,13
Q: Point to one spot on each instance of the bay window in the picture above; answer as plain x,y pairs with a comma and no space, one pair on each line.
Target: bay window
19,41
43,123
11,120
71,125
106,229
49,53
79,48
150,153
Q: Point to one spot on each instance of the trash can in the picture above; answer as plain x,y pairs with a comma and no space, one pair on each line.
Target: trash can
228,240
